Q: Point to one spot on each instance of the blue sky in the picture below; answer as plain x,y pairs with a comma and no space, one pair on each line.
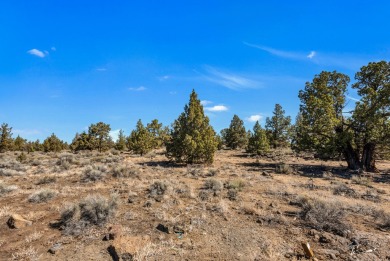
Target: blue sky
67,64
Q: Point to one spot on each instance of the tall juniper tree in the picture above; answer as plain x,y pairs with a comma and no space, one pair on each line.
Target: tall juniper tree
278,128
192,138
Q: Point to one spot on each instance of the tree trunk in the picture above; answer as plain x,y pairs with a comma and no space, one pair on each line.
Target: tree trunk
352,157
368,157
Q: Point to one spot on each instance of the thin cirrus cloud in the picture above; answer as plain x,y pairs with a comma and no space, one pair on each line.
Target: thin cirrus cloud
229,80
37,53
254,118
216,108
205,102
342,60
138,89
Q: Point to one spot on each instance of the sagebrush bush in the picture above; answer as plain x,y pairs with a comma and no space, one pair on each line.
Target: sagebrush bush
158,188
383,219
213,185
93,210
237,184
46,180
94,173
283,168
325,216
344,190
4,188
43,195
125,172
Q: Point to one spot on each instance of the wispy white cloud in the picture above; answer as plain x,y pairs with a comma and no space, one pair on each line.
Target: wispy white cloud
37,52
101,69
352,98
114,134
173,93
311,54
138,89
164,78
216,108
205,102
229,80
254,118
276,52
53,49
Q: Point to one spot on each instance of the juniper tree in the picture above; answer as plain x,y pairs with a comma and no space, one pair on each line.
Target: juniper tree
53,143
19,144
5,137
192,139
140,140
158,132
81,142
322,126
235,136
121,141
99,136
278,128
258,141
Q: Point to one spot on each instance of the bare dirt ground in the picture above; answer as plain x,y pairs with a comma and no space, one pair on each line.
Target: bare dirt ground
239,208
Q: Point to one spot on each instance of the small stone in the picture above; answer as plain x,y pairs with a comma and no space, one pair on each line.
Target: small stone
163,228
17,221
332,256
55,248
124,247
273,205
324,238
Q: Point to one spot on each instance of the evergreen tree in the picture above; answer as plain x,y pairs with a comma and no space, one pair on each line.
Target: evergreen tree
99,136
235,136
157,132
258,142
5,137
278,128
192,138
53,143
81,142
121,141
140,140
19,144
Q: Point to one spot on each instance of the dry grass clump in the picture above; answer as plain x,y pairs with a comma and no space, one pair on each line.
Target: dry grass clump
8,173
5,189
383,219
364,181
125,172
28,253
43,195
65,161
325,216
283,168
94,173
93,210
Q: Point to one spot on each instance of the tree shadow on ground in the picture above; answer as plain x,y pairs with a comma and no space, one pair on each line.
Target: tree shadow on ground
305,170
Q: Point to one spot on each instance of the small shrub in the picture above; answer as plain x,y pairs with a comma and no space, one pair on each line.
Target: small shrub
4,188
46,180
383,219
22,157
232,194
237,184
125,172
283,168
43,195
213,185
364,181
325,216
93,210
94,173
344,190
203,195
158,188
8,172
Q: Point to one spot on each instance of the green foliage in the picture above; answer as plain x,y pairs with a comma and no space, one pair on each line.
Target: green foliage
121,141
5,137
158,133
32,146
140,140
235,136
320,114
19,144
22,157
192,138
81,142
99,136
53,143
278,128
258,141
